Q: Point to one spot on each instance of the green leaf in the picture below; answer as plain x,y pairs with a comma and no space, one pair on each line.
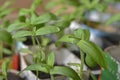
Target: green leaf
47,30
51,4
93,76
94,51
34,16
5,37
112,73
62,24
83,34
35,4
90,62
7,51
5,12
94,3
5,5
38,67
66,71
39,57
16,26
44,18
5,67
67,38
51,59
22,34
23,12
85,2
114,18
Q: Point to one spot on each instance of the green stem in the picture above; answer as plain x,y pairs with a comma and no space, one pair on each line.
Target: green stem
37,75
82,63
1,50
38,43
33,41
52,77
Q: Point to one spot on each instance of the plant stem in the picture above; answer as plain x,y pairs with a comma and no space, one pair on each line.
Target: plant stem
37,75
33,40
1,50
82,63
38,43
52,77
34,51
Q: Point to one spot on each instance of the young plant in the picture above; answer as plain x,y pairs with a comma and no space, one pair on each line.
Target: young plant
5,36
32,24
5,39
48,67
94,55
4,69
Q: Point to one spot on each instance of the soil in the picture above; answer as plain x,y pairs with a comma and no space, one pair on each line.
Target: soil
13,76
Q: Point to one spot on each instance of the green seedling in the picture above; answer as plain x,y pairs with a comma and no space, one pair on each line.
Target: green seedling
4,69
81,37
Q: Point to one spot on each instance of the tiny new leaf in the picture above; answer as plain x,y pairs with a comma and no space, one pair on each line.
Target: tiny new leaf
50,59
83,34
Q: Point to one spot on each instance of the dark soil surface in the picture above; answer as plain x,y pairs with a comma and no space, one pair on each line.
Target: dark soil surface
13,76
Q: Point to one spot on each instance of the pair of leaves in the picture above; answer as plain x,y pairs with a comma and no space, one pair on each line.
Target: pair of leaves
66,71
41,31
80,34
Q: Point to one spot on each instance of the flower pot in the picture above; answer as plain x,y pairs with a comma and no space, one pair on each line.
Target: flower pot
14,62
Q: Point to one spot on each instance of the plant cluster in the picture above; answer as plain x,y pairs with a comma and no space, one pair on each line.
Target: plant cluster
31,23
